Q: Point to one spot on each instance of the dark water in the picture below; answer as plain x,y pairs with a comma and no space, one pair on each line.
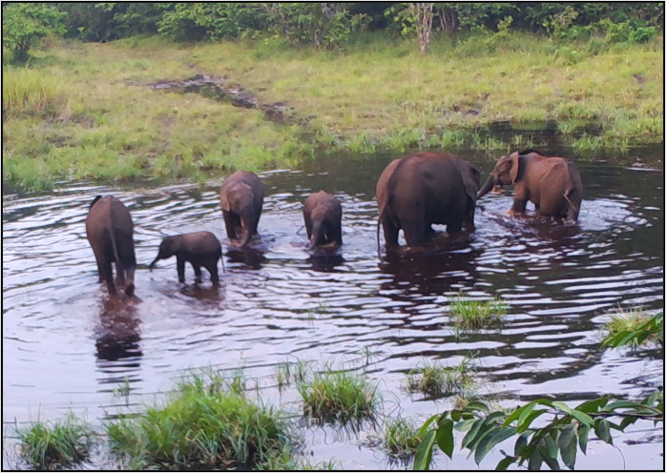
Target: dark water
64,350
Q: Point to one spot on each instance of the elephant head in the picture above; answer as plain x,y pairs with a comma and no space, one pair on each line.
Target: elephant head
168,248
506,172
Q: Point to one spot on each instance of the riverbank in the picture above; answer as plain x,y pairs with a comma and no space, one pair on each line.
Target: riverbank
92,111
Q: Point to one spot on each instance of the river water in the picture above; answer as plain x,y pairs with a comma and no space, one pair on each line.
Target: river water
64,350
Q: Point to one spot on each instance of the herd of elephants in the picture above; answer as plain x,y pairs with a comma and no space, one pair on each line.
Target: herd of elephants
413,193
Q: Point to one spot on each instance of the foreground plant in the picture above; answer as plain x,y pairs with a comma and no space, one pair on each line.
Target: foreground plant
61,445
566,431
634,329
339,396
207,425
435,379
473,315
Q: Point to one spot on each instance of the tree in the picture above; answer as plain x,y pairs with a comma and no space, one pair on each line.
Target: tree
24,24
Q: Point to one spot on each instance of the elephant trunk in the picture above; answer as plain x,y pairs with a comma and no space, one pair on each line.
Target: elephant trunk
247,220
317,229
490,183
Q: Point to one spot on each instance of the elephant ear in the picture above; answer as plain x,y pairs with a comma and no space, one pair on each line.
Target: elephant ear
515,167
471,179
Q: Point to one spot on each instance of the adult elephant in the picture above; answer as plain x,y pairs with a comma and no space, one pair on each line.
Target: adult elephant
552,184
200,249
110,231
322,213
422,189
241,198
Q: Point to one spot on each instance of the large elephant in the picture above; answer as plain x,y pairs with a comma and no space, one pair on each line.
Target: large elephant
110,230
323,219
241,198
422,189
552,184
200,249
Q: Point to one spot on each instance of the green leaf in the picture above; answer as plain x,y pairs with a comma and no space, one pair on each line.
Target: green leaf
525,425
504,463
627,421
489,442
518,412
583,432
472,433
592,405
464,425
535,461
477,406
567,443
621,404
602,429
548,450
487,427
445,437
423,454
425,426
520,443
581,416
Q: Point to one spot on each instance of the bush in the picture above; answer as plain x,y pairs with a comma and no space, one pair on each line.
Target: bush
24,24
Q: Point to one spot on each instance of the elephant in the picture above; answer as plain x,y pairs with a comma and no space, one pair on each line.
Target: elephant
422,189
323,219
200,249
552,184
109,229
241,198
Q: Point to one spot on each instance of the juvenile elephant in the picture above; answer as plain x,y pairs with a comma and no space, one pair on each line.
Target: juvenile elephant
552,184
323,219
200,249
422,189
241,198
110,230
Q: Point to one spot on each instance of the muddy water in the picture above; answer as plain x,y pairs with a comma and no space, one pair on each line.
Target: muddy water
64,349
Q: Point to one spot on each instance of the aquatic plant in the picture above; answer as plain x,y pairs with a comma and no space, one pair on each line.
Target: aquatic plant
433,379
467,314
633,328
399,438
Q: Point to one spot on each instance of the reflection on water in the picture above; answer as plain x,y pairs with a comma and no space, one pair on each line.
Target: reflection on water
65,347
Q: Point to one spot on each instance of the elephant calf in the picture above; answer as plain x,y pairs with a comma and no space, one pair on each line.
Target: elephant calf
552,184
241,198
110,231
323,219
200,249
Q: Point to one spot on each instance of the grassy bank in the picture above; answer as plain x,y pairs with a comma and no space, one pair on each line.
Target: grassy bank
84,111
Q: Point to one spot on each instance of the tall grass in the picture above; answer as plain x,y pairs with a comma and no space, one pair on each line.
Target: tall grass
60,445
433,379
32,92
205,426
340,396
399,438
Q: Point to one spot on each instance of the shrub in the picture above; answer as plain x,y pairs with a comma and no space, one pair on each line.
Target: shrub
24,24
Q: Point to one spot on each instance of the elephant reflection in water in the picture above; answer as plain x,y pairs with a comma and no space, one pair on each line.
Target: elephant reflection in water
118,333
252,258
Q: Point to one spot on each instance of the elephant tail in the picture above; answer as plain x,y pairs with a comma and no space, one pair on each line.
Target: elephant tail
382,211
129,285
566,196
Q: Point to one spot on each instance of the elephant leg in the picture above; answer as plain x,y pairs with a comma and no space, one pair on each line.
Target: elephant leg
197,272
455,226
519,205
212,269
415,233
180,261
120,274
107,275
230,223
390,232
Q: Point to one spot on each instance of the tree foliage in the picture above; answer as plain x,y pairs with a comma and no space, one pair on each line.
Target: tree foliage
24,24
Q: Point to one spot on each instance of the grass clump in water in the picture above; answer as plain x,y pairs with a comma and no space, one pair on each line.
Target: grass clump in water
61,445
433,379
473,315
209,424
339,396
632,322
399,439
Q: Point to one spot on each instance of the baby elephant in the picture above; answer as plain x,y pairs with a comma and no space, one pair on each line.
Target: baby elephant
199,249
323,219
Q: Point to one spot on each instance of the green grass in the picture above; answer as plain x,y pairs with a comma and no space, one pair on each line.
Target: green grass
399,438
628,321
291,372
433,379
474,314
339,396
206,425
83,110
62,444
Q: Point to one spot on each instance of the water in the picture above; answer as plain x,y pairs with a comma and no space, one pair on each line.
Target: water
63,349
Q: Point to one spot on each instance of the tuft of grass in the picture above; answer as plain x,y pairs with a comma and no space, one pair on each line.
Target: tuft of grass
631,322
61,445
31,92
204,426
285,461
433,379
340,396
473,314
399,438
291,372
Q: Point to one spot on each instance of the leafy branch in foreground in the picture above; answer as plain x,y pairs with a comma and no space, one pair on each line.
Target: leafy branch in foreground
650,329
567,429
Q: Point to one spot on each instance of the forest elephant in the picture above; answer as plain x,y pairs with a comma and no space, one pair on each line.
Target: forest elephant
323,219
422,189
552,184
241,198
110,230
200,249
